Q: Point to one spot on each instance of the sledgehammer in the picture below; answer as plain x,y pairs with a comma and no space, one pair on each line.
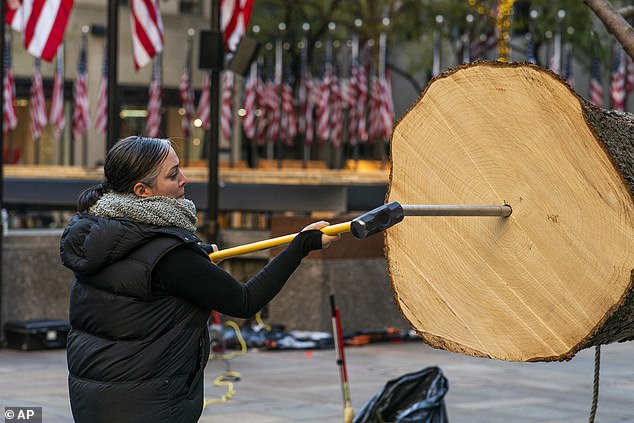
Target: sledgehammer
370,223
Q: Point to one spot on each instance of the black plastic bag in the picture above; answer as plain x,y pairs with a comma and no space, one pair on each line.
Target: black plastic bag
414,397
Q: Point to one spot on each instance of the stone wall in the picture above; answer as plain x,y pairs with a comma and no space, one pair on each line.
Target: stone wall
35,285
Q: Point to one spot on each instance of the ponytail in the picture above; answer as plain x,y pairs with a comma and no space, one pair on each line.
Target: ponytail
90,195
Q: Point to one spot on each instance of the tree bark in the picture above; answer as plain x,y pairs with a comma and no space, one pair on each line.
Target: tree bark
556,276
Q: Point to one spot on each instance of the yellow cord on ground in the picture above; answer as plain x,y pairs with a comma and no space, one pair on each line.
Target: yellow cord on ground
233,354
258,319
222,381
228,377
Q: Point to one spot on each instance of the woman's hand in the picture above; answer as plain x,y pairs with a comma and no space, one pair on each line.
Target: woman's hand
326,240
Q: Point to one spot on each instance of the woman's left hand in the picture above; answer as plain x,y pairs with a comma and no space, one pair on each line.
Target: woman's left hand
326,240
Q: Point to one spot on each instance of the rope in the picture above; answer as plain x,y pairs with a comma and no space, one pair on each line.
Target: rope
595,385
228,377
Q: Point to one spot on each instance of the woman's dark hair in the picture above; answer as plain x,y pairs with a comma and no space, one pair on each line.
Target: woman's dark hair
131,160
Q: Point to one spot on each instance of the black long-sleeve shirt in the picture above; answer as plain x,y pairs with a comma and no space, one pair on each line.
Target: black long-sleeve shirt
193,277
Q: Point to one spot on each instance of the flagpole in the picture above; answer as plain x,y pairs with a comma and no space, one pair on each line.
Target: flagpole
112,131
355,62
190,40
2,234
278,83
304,93
84,138
212,133
382,72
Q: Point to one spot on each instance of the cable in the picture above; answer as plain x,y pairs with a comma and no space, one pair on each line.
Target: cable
228,377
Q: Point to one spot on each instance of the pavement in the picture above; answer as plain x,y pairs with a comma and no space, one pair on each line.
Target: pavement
303,386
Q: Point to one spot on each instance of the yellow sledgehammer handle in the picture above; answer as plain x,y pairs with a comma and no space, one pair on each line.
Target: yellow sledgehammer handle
273,242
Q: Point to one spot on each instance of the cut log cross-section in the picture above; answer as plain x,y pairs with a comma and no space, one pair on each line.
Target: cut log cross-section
556,276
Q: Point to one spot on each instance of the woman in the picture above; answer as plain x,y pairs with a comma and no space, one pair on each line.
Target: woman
144,287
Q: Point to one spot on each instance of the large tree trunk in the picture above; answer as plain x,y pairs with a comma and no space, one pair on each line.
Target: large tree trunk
554,277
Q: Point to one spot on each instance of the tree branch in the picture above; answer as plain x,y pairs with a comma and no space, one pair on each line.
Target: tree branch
614,22
626,11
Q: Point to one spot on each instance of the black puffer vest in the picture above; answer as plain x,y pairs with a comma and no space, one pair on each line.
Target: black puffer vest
134,355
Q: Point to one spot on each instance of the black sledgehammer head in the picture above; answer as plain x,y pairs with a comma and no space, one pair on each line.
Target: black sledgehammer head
376,220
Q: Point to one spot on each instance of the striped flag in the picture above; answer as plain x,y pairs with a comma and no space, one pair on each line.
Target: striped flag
306,107
10,118
288,123
618,81
336,111
42,24
272,110
153,122
226,116
37,110
250,105
234,19
323,104
56,114
351,98
596,86
81,113
204,103
186,95
360,114
101,118
147,31
381,108
387,106
263,119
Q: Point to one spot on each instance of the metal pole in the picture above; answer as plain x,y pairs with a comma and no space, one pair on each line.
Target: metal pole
452,210
212,133
2,234
112,132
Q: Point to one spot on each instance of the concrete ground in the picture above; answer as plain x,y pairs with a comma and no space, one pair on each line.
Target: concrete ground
303,386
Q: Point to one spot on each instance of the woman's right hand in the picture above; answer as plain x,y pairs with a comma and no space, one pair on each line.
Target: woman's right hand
326,240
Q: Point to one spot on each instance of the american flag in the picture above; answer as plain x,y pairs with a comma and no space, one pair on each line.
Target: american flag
306,99
234,19
250,105
336,111
288,122
101,121
56,114
360,115
387,106
323,104
618,81
147,31
42,23
204,103
81,117
272,110
262,121
37,103
187,97
351,97
153,123
596,85
381,109
10,118
226,116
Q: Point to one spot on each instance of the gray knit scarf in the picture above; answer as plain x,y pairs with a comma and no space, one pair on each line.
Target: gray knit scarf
159,211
